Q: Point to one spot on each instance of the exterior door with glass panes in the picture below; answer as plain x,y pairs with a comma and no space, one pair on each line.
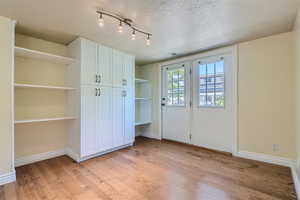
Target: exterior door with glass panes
213,111
175,102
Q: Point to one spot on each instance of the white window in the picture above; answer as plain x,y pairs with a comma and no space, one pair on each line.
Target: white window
176,86
212,84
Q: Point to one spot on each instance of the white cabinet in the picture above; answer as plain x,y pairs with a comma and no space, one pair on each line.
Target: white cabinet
105,67
106,100
88,118
118,65
118,116
104,122
129,100
89,68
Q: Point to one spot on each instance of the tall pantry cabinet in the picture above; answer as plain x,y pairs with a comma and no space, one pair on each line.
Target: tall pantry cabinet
105,115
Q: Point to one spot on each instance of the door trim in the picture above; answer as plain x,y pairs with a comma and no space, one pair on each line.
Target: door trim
233,50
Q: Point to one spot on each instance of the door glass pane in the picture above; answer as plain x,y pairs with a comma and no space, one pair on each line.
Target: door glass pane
212,84
176,86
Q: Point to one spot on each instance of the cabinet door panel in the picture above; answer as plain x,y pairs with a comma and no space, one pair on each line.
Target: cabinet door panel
105,56
88,121
129,66
118,117
105,119
88,62
117,68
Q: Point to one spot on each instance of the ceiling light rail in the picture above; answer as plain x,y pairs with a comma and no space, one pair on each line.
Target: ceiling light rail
122,21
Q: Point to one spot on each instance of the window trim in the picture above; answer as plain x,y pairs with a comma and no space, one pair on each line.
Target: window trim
209,60
173,67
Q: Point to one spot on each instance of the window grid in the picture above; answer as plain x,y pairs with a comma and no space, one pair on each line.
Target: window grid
176,86
212,97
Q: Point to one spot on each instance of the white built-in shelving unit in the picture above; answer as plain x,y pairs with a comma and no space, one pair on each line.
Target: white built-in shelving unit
47,57
143,102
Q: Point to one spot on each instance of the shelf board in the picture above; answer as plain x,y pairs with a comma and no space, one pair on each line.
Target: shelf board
142,99
142,123
18,85
138,80
28,53
43,120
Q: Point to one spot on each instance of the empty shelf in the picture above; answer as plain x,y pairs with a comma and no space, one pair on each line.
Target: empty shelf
142,123
42,120
42,86
28,53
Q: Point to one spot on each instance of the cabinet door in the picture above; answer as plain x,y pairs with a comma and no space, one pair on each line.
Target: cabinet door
118,117
129,65
88,62
105,56
118,64
89,137
105,119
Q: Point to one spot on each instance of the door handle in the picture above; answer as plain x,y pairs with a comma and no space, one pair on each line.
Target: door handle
96,76
124,82
96,92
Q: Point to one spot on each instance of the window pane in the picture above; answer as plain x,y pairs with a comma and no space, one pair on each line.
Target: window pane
176,86
211,84
220,99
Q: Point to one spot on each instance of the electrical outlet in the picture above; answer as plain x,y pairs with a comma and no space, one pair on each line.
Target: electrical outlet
275,147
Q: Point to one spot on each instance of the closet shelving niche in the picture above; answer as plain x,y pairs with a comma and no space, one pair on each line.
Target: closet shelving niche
42,86
143,102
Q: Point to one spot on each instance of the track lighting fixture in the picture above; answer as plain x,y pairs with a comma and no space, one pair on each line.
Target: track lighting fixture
133,35
122,21
148,40
120,29
100,20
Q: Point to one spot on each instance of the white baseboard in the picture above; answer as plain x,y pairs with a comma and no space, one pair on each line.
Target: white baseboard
38,157
8,178
72,155
296,177
104,152
266,158
151,136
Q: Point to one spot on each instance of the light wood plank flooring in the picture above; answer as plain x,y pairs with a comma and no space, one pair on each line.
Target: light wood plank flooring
152,170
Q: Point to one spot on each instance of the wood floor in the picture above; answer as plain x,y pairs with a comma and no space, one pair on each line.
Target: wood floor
152,170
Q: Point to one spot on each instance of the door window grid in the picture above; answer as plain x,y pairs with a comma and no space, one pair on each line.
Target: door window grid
212,84
176,87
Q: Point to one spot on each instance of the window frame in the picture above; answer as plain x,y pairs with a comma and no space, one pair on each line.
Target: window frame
170,68
206,61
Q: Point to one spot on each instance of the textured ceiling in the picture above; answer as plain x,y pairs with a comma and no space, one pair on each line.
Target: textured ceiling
178,26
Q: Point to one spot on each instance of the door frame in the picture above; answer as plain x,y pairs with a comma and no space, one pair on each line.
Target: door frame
233,50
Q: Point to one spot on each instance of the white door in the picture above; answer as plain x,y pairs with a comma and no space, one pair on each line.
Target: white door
104,118
213,110
118,117
175,102
89,136
105,55
199,106
129,99
89,62
118,62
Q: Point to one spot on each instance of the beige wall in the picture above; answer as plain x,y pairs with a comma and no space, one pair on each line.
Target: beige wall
6,90
266,95
42,137
297,86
